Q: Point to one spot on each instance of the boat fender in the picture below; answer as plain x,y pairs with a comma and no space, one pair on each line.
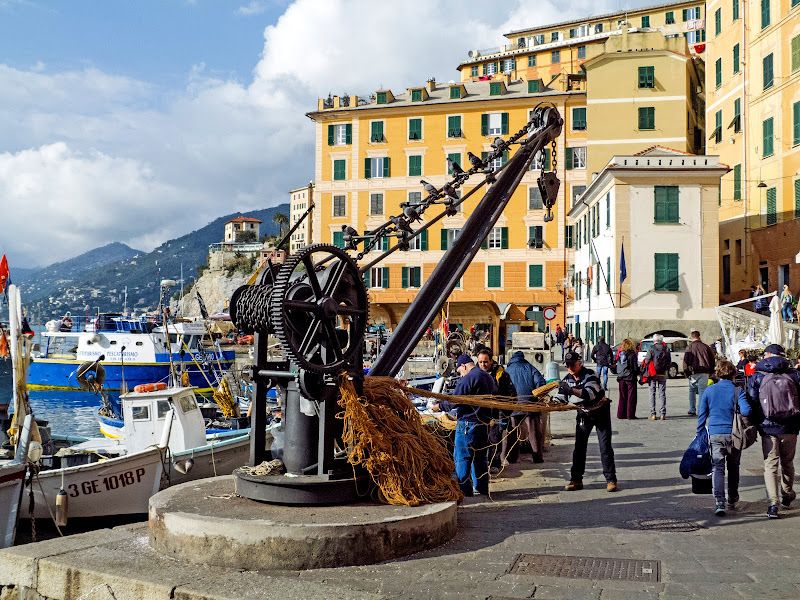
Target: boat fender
62,508
539,357
150,387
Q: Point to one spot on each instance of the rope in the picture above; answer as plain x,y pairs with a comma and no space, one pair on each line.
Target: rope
272,467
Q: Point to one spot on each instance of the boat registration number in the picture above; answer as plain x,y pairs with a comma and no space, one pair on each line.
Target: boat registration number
106,484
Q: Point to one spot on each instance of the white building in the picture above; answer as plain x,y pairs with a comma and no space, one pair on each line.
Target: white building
235,227
661,207
299,201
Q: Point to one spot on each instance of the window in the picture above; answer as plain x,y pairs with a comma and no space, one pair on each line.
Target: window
764,14
377,277
735,58
498,162
797,198
380,98
416,95
474,71
608,209
772,206
376,128
508,65
414,166
666,204
768,142
541,161
670,18
494,89
339,135
535,276
448,237
498,238
456,158
581,52
554,36
555,56
533,87
579,119
737,182
646,21
647,77
419,242
647,117
411,277
568,233
690,14
338,239
535,198
573,33
795,53
140,413
414,197
494,124
376,168
666,272
738,252
490,68
577,191
536,236
716,135
339,206
415,129
339,170
768,77
532,60
735,7
455,93
796,123
598,28
718,72
376,204
575,158
494,276
718,21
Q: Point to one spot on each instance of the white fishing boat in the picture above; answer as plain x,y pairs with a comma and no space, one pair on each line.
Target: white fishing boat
12,479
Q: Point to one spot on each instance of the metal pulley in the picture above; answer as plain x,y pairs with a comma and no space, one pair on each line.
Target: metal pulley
548,188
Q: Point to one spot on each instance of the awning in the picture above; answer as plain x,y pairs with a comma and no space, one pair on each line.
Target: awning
717,131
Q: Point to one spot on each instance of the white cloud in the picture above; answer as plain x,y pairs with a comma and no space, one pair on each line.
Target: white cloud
91,157
254,8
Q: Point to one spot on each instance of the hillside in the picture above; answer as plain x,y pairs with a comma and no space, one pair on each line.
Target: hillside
89,281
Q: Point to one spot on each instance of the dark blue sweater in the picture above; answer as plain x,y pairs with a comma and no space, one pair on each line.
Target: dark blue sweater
475,383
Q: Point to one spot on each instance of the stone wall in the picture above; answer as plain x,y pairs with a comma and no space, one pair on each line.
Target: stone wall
640,329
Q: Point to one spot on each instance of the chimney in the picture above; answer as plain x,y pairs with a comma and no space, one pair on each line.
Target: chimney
507,79
431,84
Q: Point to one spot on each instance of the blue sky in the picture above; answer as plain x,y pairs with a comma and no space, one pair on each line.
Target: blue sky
139,121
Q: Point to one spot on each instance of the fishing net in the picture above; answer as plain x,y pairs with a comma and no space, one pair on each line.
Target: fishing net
224,398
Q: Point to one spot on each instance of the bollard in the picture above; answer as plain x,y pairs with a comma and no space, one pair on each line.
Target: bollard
551,372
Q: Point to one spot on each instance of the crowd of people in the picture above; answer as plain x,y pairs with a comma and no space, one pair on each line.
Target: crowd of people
788,303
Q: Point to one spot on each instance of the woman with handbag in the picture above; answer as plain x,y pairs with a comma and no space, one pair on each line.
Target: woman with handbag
720,405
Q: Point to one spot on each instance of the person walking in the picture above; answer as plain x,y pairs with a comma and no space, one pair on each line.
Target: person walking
627,372
761,304
577,346
472,428
698,364
602,357
717,408
594,412
527,378
773,392
561,337
658,355
497,430
786,304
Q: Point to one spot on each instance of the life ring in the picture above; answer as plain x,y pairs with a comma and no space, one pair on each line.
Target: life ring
150,387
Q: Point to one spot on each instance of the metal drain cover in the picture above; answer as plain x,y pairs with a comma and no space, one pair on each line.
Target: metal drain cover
587,567
673,525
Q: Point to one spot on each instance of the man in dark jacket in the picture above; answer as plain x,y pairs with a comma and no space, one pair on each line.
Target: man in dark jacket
602,356
778,437
583,384
497,429
658,382
699,361
472,429
527,378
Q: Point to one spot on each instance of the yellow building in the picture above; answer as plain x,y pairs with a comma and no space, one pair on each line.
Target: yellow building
753,83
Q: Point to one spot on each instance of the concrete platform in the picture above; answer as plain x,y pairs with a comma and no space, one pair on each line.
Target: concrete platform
203,522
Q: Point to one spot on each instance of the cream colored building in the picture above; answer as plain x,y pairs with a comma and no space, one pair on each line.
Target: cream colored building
299,201
235,227
659,206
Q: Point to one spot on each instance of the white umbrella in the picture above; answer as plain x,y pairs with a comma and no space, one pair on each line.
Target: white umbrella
775,331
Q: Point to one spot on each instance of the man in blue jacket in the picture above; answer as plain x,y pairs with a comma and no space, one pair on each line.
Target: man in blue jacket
527,378
472,429
778,437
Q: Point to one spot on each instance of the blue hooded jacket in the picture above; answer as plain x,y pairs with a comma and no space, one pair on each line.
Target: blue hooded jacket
525,376
773,364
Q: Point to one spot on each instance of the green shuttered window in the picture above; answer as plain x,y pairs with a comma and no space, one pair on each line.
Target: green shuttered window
718,72
454,127
766,129
795,53
535,276
718,21
568,242
647,77
737,182
416,95
735,9
338,239
666,273
796,123
765,16
666,204
647,117
414,166
533,87
494,276
339,170
456,158
768,74
376,129
579,119
797,198
415,129
772,206
736,58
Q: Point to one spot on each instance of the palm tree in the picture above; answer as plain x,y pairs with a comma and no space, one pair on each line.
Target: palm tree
281,220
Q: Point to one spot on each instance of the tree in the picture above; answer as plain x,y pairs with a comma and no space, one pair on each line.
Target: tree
281,220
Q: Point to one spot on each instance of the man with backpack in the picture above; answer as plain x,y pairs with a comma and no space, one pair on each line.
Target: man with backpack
658,355
603,357
774,395
699,361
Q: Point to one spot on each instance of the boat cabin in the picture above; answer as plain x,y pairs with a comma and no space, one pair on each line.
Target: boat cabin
144,414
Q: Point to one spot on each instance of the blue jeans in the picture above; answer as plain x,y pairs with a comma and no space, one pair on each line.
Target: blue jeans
698,382
786,311
471,447
722,453
602,372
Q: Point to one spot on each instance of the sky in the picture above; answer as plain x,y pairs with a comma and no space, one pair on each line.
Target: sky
140,120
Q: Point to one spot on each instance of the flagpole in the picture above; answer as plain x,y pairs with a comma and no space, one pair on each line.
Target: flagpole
619,292
605,278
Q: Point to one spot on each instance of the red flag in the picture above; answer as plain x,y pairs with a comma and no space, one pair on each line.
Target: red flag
3,273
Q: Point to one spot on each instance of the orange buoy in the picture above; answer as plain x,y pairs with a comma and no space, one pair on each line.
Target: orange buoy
150,387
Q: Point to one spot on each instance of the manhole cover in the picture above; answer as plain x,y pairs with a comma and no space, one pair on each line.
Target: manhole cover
587,567
673,525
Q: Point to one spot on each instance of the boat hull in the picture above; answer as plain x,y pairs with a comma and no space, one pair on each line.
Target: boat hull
220,457
12,478
117,486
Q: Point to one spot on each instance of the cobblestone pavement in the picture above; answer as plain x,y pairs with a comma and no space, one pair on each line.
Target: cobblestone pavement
741,555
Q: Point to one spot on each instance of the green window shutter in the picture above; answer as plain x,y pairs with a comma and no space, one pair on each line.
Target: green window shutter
718,72
504,119
767,131
670,17
735,9
717,21
505,156
532,61
414,166
348,133
377,131
737,182
647,117
796,123
494,276
494,89
454,127
772,206
642,77
736,58
455,93
568,236
673,204
504,238
485,67
415,129
456,158
338,239
367,168
386,170
385,271
546,161
666,206
485,243
568,158
666,272
380,98
797,198
685,13
366,279
330,135
404,277
533,87
660,207
764,14
423,243
535,276
608,274
416,95
795,53
646,21
768,78
444,239
384,243
484,124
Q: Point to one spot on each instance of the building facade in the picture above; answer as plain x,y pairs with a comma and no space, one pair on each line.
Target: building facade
300,200
241,225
